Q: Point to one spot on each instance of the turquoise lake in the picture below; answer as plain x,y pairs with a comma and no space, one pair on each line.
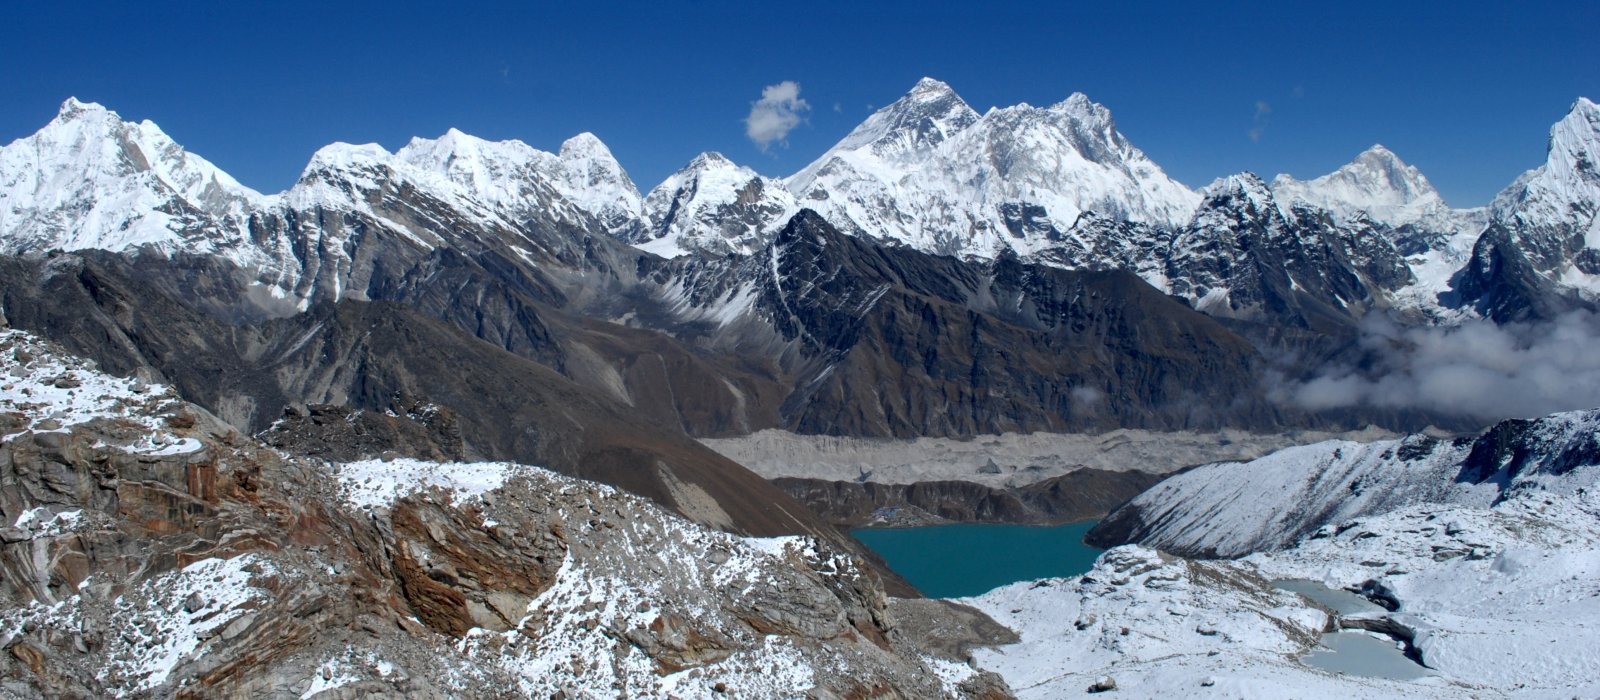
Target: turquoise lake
965,559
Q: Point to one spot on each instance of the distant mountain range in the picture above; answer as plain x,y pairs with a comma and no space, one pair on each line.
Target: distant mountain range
936,273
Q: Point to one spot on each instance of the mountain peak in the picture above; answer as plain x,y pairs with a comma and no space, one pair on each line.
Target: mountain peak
706,160
913,124
1578,133
1565,190
931,86
340,156
584,143
1377,182
73,107
1245,188
1079,105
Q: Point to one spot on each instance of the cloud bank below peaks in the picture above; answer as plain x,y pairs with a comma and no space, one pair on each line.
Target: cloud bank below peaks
1477,369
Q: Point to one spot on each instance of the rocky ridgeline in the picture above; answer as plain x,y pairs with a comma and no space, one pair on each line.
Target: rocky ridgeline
151,550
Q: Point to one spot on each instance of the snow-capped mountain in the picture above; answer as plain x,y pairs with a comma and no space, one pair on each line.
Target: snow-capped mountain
714,206
1245,254
88,179
1378,183
1553,208
927,172
518,180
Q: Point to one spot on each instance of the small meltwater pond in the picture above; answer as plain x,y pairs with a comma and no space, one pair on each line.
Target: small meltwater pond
1357,653
1354,652
966,559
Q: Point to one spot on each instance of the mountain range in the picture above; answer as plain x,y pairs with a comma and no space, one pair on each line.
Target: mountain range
938,272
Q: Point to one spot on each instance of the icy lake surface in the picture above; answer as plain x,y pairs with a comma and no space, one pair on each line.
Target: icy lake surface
965,559
1362,654
1342,602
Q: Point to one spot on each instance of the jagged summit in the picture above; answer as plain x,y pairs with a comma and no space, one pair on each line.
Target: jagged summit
713,205
899,134
1565,190
72,107
1079,104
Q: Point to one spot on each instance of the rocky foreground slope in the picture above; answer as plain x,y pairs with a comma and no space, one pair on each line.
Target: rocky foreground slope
150,550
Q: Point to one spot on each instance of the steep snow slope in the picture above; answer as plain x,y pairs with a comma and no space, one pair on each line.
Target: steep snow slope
1551,210
1300,490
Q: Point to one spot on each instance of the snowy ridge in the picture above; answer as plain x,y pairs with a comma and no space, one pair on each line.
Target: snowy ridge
1296,491
926,172
1382,186
612,595
88,179
1553,211
714,206
1565,190
631,568
50,391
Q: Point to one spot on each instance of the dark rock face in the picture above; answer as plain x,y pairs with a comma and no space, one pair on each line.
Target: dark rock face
1300,270
412,429
1503,283
385,357
887,342
1081,495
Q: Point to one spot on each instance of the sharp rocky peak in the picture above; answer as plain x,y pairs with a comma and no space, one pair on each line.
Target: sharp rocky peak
1244,189
1575,140
1565,190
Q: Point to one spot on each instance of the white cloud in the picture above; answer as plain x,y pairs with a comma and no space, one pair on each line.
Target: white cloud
1476,369
778,112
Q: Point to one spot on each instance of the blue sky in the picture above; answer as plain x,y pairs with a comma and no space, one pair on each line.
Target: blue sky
1465,91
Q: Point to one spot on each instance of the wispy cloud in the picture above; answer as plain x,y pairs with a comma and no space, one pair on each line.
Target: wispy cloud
778,112
1263,110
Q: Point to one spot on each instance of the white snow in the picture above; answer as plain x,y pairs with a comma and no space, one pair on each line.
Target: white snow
1162,627
1495,580
378,483
928,172
53,386
157,633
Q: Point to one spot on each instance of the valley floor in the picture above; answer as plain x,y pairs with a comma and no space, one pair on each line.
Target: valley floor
1008,460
